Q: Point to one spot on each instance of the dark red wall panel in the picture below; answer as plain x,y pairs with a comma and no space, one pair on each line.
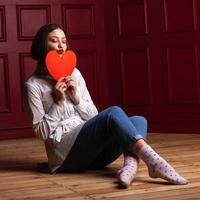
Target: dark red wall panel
83,22
157,74
142,55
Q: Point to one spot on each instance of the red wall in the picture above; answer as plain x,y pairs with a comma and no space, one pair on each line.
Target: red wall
19,21
154,69
140,54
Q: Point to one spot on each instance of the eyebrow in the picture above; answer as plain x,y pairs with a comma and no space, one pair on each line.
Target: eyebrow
56,37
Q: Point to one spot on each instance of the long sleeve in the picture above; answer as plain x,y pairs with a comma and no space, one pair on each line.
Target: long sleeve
58,126
43,123
86,107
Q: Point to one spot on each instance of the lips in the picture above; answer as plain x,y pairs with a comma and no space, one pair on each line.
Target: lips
61,51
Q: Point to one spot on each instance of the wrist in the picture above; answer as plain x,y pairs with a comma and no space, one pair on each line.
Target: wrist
60,103
76,100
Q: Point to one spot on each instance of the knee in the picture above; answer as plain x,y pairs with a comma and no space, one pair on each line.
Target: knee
113,113
144,125
139,119
115,110
143,120
141,123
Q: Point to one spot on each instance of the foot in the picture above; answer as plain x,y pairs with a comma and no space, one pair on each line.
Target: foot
127,174
159,168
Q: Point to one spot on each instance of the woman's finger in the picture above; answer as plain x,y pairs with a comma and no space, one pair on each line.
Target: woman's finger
71,83
61,79
69,78
60,85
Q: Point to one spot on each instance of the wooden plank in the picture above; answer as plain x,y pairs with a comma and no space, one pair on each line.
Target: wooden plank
21,180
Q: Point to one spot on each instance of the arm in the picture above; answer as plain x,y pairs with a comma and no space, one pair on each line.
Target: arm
43,123
85,107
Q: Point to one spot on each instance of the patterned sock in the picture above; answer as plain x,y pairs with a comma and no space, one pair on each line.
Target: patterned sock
159,168
127,173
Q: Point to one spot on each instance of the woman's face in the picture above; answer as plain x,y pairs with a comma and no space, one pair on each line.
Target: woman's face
57,41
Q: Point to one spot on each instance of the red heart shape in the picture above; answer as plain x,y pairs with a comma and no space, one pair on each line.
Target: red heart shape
60,66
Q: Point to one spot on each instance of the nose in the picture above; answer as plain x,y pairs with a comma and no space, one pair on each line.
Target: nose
60,44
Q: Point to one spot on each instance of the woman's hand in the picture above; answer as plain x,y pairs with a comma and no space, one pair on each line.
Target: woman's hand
59,90
71,89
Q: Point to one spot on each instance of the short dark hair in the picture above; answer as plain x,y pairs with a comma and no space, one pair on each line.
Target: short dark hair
39,45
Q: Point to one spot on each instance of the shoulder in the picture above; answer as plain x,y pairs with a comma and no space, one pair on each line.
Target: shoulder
31,85
77,75
38,84
33,81
40,80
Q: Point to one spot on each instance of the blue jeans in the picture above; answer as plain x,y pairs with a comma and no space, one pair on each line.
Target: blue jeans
103,139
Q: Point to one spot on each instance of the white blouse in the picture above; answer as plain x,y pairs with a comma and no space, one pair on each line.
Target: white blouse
57,126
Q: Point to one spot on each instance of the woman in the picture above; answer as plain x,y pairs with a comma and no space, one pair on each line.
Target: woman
76,136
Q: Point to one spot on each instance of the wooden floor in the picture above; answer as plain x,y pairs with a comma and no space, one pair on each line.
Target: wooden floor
19,178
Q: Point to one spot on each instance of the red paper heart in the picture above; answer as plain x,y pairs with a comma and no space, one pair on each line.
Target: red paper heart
60,66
